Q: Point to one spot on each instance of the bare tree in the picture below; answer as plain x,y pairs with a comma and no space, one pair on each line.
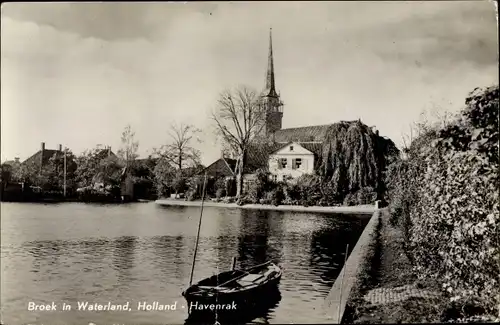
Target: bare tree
239,117
128,151
179,151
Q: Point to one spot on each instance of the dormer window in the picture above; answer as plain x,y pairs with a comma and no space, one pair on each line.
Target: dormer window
291,148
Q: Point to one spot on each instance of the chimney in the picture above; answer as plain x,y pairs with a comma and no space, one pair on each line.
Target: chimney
109,151
60,147
16,160
42,149
376,132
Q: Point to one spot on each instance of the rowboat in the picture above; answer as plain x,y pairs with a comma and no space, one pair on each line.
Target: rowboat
233,290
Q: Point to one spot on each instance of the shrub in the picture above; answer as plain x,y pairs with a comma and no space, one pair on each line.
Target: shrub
220,184
292,194
229,199
366,195
350,199
191,195
310,189
220,193
277,196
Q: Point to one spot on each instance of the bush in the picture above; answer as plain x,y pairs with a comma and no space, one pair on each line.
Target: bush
350,199
229,199
366,195
278,196
309,187
191,195
219,184
220,193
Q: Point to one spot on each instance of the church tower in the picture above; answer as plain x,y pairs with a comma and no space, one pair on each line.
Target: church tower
272,102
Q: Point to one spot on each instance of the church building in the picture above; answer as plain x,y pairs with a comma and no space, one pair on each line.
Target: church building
289,152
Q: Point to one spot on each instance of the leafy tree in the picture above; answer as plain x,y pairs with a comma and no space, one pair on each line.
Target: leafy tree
7,173
95,165
164,175
53,172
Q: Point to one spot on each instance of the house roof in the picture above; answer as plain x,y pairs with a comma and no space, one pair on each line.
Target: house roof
11,163
258,155
314,147
37,157
229,165
104,153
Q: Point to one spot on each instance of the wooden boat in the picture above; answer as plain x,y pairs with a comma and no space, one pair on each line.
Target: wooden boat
234,289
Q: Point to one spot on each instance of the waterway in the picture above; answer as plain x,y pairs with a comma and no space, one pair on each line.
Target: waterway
142,252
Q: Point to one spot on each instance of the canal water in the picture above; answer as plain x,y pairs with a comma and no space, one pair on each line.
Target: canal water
141,252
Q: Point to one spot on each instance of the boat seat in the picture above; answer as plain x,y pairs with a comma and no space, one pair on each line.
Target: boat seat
249,279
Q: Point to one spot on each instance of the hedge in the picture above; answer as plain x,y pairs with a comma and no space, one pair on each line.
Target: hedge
445,196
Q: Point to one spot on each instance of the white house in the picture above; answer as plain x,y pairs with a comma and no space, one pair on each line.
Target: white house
290,161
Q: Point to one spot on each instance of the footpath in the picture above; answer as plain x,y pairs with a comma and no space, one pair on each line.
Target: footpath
391,292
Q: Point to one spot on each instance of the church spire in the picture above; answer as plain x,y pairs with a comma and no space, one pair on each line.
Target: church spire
270,84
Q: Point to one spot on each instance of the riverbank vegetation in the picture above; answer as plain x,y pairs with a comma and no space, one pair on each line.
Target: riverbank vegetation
443,199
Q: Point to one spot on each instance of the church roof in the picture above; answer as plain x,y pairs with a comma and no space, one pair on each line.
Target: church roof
315,133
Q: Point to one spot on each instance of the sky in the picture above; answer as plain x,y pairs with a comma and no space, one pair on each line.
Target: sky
77,73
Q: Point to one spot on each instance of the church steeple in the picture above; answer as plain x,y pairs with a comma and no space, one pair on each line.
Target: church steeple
270,83
271,99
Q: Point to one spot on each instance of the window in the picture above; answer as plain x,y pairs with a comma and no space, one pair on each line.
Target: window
282,163
275,178
297,163
291,148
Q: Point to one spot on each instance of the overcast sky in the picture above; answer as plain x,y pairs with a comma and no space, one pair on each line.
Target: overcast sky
77,74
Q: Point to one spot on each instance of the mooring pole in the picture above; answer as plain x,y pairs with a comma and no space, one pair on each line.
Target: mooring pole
342,282
198,234
64,186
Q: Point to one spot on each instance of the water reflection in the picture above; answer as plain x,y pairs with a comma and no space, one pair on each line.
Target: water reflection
328,250
168,252
123,256
254,235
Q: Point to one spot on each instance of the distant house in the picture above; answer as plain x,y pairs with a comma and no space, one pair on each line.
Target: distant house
42,156
222,167
105,153
293,160
13,163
